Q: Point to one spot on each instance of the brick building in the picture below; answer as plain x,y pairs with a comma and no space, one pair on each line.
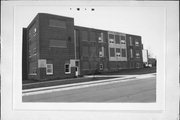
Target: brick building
54,48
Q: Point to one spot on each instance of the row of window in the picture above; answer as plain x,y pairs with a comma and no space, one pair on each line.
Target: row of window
91,51
131,42
49,69
117,39
137,54
93,35
117,52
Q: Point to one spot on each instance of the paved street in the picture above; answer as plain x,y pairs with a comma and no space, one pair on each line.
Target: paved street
142,88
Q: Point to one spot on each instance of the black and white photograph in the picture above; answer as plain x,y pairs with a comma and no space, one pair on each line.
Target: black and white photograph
88,56
68,57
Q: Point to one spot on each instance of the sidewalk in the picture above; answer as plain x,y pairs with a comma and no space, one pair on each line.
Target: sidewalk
120,74
38,84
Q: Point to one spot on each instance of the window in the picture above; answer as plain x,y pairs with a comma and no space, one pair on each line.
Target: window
111,38
123,52
131,53
67,68
112,52
84,35
101,52
57,23
123,37
92,36
130,40
32,31
118,52
85,51
137,43
117,40
123,42
100,37
49,69
137,55
58,43
101,66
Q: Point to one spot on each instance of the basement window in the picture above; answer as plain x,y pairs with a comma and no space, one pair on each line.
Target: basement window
49,69
101,66
67,68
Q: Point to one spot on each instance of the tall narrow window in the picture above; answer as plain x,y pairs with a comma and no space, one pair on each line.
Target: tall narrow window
137,43
117,39
111,38
49,69
130,41
131,53
112,52
101,52
137,55
118,52
123,52
100,37
67,68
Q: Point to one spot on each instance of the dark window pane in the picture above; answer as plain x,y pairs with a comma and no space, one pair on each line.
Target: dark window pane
122,37
117,40
123,52
111,36
118,50
112,52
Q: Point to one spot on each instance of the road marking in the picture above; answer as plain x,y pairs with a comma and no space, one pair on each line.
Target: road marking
76,86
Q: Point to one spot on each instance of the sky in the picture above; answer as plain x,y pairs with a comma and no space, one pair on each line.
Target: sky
148,22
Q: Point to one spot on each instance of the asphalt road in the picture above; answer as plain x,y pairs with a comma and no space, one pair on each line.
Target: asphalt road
140,89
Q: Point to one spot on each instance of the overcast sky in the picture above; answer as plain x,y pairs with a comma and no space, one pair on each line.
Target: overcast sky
148,22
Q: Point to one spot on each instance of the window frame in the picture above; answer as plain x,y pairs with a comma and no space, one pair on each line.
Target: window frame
118,39
101,66
69,72
111,41
110,52
136,42
131,53
124,51
102,48
137,56
49,73
130,41
118,54
101,37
